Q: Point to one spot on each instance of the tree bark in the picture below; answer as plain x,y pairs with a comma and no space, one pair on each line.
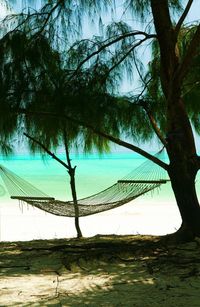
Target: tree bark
180,146
75,203
71,171
183,166
182,175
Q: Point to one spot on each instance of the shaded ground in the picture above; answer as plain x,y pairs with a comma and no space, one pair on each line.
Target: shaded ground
137,271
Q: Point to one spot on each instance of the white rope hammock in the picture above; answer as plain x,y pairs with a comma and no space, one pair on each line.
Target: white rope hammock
143,179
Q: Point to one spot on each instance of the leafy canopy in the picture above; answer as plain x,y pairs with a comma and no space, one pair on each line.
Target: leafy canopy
47,67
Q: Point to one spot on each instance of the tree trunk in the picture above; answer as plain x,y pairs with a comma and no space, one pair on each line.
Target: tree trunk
180,140
71,171
183,167
182,175
75,203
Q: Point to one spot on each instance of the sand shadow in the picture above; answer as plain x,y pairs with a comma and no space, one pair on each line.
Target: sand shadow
96,272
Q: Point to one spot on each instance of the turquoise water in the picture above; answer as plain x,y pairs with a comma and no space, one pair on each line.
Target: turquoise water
93,172
153,213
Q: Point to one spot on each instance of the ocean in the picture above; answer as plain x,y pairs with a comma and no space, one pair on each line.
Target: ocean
155,213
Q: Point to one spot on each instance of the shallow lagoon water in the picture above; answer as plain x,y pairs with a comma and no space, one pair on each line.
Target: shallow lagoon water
154,213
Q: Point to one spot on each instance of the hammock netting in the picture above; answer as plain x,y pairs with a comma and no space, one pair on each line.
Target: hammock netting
143,179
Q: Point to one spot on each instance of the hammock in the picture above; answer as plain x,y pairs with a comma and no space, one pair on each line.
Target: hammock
143,179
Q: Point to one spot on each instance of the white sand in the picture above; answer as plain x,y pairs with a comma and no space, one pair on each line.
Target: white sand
141,216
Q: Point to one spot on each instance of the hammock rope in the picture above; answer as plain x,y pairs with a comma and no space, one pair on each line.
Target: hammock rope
143,179
18,187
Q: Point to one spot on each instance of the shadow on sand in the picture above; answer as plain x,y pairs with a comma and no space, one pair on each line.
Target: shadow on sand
100,271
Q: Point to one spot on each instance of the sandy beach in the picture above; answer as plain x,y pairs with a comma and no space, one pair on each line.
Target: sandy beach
141,216
100,271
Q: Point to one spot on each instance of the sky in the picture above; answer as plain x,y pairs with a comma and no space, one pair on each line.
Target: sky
3,9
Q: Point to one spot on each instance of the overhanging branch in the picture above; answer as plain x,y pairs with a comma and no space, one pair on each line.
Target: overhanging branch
100,133
28,16
109,43
49,14
131,49
156,128
183,16
46,150
153,122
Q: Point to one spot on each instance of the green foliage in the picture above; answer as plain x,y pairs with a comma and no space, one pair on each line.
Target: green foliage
139,8
46,70
142,8
190,88
59,20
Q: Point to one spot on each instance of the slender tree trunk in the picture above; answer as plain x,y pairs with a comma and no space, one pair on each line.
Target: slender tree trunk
74,197
71,171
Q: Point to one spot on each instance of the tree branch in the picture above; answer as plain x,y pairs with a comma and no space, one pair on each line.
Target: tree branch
28,16
126,54
191,52
100,133
142,103
198,157
49,14
120,37
167,41
125,144
46,150
183,16
149,114
156,128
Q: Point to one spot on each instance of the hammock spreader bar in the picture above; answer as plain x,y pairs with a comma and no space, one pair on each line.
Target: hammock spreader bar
143,181
31,198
